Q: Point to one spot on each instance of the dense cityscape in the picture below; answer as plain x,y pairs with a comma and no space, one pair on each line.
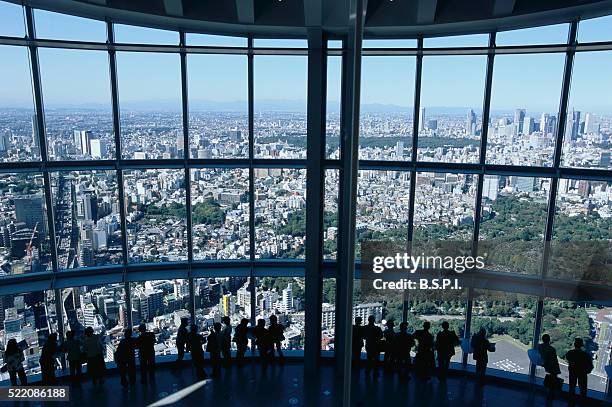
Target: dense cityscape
87,218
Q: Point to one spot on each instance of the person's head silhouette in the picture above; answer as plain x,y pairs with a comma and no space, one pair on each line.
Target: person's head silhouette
445,325
358,321
371,320
403,327
578,343
426,325
546,338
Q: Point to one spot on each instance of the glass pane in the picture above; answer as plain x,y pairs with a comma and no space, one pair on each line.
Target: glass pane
150,100
335,44
595,29
564,321
156,215
160,304
387,94
28,318
101,307
218,106
330,214
280,106
328,314
78,113
334,97
222,296
450,123
18,126
283,297
524,104
582,232
215,40
507,319
513,223
280,213
220,213
438,218
12,22
587,141
59,26
26,247
550,34
87,223
276,43
405,43
383,199
142,35
476,40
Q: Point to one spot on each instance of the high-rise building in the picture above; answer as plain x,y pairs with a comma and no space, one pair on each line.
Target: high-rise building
519,117
470,123
30,210
422,119
490,187
99,149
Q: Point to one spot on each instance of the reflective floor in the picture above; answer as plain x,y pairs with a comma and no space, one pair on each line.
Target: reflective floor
283,386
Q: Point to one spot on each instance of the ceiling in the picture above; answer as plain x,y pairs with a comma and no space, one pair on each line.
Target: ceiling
293,18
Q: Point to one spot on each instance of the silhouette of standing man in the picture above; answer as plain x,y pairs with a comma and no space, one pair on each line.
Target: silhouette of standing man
372,334
424,359
125,358
226,340
404,342
146,353
241,340
445,345
194,343
213,346
480,345
580,365
181,340
357,342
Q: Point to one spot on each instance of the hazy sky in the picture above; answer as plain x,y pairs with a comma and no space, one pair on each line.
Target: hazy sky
75,77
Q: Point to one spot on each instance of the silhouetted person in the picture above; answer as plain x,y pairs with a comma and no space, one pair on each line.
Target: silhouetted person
390,345
181,340
194,344
445,345
263,341
125,357
481,345
13,357
276,333
550,364
403,343
580,365
372,335
241,340
146,353
213,347
357,342
92,348
226,340
424,359
47,360
73,349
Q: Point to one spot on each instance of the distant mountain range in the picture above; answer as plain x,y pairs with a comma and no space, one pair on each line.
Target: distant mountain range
281,105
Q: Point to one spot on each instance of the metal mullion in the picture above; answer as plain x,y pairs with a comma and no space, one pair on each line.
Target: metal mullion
468,322
251,95
42,141
112,57
561,125
537,330
486,109
350,142
416,106
186,153
315,197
